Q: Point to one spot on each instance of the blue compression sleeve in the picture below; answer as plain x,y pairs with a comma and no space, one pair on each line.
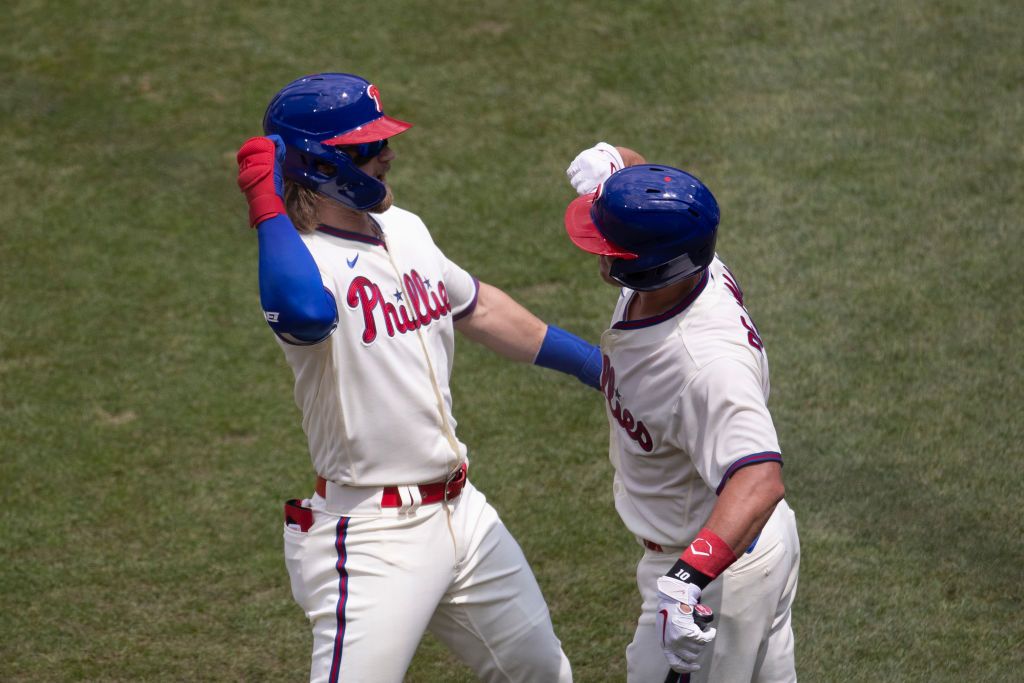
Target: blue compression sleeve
295,302
567,353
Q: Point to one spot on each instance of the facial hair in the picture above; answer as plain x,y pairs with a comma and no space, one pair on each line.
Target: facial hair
384,204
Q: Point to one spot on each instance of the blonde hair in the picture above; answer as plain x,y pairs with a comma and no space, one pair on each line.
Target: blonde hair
301,204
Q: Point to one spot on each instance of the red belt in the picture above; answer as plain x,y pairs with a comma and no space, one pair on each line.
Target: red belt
430,493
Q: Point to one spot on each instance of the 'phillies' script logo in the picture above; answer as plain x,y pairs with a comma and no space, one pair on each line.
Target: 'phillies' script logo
425,306
636,429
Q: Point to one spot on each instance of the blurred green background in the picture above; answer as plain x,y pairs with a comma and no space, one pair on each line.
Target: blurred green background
868,160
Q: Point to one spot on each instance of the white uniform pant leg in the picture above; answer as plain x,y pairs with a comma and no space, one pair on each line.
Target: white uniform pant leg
777,661
494,617
369,586
752,601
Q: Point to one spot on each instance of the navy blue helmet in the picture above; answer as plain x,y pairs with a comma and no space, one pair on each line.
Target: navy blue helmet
315,115
659,224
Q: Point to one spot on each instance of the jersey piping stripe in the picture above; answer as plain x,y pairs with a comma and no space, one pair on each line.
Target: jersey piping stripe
468,310
348,235
753,459
670,313
339,636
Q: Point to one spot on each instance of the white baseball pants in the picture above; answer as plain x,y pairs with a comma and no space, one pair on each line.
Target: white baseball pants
752,600
373,580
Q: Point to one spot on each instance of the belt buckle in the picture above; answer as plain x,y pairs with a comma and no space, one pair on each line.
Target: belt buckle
454,482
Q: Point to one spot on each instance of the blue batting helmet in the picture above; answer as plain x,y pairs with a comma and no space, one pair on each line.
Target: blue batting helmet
659,224
314,115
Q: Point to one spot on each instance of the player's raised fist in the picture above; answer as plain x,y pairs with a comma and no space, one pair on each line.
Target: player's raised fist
260,177
591,167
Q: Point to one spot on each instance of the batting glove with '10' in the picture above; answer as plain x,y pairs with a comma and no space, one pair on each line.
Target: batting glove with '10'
591,167
679,621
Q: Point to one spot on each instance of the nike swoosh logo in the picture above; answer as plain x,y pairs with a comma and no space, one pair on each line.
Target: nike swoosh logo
352,261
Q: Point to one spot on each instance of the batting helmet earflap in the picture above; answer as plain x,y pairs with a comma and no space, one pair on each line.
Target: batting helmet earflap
659,224
315,114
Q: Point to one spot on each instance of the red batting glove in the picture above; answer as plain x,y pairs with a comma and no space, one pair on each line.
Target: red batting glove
259,177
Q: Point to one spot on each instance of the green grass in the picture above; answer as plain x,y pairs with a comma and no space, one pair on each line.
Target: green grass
868,160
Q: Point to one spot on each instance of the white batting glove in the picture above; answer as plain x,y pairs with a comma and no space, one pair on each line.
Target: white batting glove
682,640
591,167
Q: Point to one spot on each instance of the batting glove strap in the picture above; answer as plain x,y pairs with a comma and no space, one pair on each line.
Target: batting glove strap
592,166
683,571
680,591
264,208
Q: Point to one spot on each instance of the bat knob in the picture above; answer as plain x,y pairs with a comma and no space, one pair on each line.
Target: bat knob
702,615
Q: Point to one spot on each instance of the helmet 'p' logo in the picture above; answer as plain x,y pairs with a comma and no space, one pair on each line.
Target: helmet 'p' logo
375,96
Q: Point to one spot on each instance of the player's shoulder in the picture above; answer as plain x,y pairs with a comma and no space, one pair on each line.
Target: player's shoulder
725,280
397,217
407,232
317,241
721,298
715,328
397,213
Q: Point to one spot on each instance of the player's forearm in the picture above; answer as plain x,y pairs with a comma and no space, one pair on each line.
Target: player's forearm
746,503
743,507
630,157
292,293
506,327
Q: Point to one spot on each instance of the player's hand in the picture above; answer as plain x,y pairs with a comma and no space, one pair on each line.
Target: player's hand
591,167
260,178
682,638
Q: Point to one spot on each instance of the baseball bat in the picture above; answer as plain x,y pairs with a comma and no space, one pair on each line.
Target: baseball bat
702,616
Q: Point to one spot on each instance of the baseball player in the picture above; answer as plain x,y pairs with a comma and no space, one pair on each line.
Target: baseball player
698,468
395,539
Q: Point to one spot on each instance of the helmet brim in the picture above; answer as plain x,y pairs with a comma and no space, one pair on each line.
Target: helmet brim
378,129
585,235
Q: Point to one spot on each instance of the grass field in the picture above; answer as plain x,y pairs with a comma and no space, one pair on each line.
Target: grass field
869,162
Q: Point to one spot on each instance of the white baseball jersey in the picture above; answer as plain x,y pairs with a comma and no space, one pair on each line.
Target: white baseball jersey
686,395
373,393
376,408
